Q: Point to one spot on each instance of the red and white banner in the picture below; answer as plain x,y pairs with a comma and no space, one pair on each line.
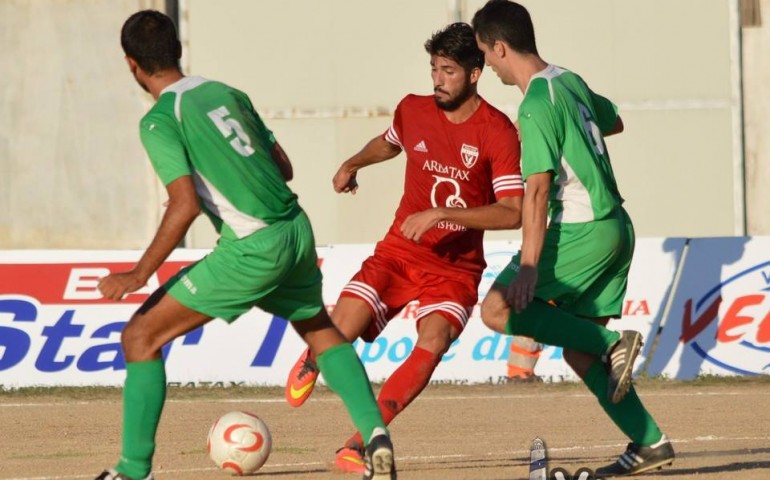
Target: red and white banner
719,321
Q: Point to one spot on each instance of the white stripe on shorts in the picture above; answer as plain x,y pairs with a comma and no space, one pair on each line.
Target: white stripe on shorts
455,309
370,296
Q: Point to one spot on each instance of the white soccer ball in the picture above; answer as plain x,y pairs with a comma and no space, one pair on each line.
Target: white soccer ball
239,442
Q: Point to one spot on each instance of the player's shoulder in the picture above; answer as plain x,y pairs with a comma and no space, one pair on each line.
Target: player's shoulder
492,114
417,102
161,114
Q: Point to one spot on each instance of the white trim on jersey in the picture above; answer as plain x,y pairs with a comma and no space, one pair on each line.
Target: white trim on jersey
548,73
370,296
392,137
243,225
575,200
507,182
181,86
455,309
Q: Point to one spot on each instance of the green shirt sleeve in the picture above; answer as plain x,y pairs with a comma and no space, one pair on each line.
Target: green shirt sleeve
164,146
540,133
606,113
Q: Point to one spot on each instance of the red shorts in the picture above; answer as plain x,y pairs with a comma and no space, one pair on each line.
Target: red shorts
387,284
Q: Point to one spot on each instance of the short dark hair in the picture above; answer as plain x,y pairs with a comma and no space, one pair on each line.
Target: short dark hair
457,42
150,38
507,21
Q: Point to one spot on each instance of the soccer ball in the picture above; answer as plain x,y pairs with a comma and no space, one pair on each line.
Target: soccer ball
239,442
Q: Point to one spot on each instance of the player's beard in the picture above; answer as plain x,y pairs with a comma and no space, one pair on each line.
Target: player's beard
453,103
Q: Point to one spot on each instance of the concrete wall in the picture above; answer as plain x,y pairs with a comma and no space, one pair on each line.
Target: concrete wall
756,80
327,74
308,65
72,170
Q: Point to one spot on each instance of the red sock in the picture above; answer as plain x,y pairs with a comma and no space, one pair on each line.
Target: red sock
403,386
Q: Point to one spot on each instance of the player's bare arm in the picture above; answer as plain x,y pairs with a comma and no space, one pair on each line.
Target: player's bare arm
534,224
282,160
376,151
182,209
505,214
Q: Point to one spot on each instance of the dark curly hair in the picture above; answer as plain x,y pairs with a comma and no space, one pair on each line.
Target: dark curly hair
457,42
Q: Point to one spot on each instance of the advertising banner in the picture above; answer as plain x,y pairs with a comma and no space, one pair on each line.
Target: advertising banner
56,329
719,321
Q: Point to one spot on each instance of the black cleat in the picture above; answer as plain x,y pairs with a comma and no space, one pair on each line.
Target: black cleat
620,364
111,474
379,462
638,459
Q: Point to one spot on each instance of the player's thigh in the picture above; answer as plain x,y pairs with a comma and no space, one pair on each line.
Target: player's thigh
158,321
297,295
446,302
604,296
574,257
375,294
235,276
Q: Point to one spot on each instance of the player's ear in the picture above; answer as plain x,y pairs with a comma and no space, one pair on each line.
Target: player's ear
499,48
131,63
475,75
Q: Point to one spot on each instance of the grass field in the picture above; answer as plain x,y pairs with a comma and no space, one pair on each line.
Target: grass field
719,428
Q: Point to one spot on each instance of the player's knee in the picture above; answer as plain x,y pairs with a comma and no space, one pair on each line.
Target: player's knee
495,312
571,357
437,344
136,342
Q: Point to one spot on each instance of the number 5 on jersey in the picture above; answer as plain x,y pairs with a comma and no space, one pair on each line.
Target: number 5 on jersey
227,126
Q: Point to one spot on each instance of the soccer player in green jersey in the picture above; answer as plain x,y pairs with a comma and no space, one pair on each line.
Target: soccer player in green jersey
579,260
213,153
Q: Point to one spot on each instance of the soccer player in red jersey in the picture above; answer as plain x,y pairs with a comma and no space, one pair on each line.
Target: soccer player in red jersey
462,177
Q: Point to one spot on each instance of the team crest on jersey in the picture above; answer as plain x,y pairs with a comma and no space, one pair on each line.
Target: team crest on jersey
470,154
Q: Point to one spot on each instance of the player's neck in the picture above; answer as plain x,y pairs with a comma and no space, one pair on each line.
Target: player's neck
464,111
159,81
529,66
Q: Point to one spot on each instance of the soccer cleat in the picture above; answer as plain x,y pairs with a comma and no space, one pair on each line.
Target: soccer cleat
638,459
620,364
350,459
379,462
301,381
111,474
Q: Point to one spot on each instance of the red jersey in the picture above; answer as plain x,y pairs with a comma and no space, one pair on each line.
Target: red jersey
464,165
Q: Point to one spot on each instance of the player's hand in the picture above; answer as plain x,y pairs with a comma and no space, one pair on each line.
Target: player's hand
117,285
522,290
344,181
416,224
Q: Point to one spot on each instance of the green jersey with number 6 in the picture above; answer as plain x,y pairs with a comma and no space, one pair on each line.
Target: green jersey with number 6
211,131
562,123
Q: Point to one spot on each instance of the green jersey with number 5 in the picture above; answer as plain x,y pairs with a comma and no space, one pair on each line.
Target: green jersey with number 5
211,131
562,123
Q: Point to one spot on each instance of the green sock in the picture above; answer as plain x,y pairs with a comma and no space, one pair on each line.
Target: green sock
143,396
553,326
345,375
629,415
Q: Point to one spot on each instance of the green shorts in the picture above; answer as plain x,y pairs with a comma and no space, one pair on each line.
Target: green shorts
584,267
275,269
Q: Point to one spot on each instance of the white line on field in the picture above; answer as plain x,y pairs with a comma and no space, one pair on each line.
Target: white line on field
428,458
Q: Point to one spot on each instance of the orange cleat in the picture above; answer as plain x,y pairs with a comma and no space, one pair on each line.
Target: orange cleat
301,380
350,460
